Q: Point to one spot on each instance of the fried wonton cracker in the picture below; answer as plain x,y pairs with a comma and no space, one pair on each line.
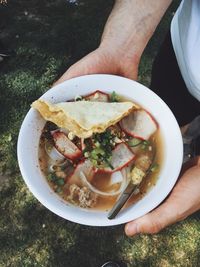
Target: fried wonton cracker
83,118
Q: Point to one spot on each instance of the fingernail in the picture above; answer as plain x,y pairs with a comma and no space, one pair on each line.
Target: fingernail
131,229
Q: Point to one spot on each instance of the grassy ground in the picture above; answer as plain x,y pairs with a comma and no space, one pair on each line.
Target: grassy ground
47,37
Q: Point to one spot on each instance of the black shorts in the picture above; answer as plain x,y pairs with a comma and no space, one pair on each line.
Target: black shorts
168,83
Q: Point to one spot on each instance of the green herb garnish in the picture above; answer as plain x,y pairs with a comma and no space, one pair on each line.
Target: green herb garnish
78,98
99,151
114,97
154,167
52,177
58,190
60,181
145,144
134,142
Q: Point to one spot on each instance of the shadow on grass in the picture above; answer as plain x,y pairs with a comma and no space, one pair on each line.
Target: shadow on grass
56,28
46,37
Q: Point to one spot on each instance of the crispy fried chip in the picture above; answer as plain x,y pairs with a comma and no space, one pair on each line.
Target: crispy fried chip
83,118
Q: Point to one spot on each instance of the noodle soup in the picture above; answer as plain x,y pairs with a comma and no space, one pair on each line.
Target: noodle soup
92,172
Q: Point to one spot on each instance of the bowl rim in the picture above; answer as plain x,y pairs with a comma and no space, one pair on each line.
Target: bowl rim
97,220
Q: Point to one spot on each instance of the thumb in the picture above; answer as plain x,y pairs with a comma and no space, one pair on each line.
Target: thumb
154,221
183,201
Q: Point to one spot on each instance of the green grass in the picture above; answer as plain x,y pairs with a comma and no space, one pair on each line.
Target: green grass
47,37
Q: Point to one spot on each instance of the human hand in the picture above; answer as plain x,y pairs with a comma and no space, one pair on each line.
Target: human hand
182,202
125,36
102,61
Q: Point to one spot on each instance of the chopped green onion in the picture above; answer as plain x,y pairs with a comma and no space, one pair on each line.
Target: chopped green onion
78,98
114,97
58,190
145,144
99,151
154,167
86,154
52,177
85,149
93,154
134,142
97,144
94,162
60,181
108,163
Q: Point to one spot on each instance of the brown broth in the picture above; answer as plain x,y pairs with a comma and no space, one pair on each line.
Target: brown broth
151,179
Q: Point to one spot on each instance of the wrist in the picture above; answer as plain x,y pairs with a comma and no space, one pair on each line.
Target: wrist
121,56
129,28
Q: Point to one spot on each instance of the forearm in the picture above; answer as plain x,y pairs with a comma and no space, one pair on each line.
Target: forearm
131,25
127,31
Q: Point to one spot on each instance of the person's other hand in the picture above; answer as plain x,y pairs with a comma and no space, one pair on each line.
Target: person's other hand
104,62
182,202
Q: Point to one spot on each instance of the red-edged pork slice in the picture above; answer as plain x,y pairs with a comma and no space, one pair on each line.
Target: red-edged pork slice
65,146
139,124
97,96
84,167
121,157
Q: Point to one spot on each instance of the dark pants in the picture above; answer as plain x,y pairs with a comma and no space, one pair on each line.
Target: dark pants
168,83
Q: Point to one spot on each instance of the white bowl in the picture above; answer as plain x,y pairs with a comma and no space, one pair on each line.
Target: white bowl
33,124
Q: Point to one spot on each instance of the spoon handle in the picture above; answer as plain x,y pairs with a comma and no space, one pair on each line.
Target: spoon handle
121,201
